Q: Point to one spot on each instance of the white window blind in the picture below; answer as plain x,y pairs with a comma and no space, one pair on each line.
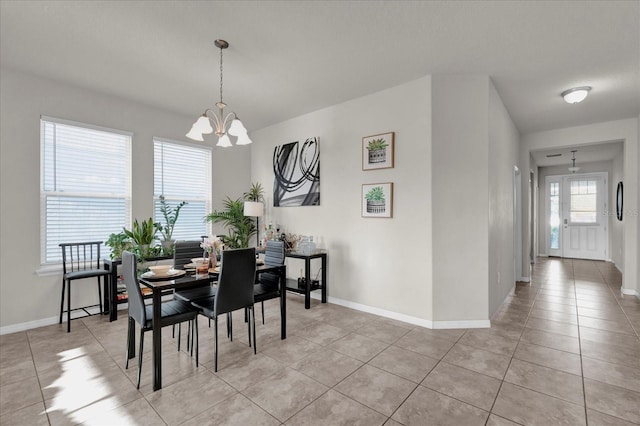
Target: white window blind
183,173
584,197
85,184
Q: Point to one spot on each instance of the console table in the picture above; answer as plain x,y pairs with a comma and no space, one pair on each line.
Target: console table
292,285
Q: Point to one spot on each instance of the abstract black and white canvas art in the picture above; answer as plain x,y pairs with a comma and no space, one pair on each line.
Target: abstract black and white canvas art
296,167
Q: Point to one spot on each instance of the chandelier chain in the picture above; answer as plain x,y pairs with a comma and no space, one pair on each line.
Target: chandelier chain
221,75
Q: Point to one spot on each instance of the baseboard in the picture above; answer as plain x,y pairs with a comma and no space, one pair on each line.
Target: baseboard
630,292
524,279
617,267
14,328
406,318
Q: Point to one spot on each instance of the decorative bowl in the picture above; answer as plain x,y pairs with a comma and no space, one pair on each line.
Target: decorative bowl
160,269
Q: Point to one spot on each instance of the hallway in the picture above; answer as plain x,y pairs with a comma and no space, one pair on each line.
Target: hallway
579,345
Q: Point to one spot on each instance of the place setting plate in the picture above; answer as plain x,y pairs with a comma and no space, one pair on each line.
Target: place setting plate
172,273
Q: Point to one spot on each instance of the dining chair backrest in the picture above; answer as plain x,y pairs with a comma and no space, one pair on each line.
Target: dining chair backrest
273,256
134,295
80,256
236,280
184,251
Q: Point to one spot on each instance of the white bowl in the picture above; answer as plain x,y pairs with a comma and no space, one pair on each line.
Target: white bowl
160,269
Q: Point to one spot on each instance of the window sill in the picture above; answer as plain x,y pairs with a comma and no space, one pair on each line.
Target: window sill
49,270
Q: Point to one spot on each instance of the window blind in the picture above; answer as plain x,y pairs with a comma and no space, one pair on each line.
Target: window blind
183,173
85,184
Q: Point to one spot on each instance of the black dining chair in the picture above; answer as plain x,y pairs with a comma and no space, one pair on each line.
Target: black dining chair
235,291
79,261
268,283
184,251
173,312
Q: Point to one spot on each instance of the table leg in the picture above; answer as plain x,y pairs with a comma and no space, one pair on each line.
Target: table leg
283,302
324,279
307,279
113,293
157,340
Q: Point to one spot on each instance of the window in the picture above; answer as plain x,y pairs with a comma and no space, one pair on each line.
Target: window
182,172
554,215
85,184
583,201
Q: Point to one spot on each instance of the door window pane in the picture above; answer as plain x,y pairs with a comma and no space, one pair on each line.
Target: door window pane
554,215
583,201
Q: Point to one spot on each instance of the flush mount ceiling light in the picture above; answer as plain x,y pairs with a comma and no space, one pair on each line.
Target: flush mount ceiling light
575,95
223,125
573,167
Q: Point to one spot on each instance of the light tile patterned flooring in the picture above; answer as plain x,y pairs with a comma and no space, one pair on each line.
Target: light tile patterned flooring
563,350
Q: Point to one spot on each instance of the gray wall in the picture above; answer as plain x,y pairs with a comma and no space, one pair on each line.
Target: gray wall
460,200
26,297
380,265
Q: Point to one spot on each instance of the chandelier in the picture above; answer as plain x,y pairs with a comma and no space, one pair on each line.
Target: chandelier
223,125
573,167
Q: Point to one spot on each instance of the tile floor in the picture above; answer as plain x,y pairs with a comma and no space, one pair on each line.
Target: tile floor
563,350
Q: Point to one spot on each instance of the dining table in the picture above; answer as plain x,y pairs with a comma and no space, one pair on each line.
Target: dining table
159,286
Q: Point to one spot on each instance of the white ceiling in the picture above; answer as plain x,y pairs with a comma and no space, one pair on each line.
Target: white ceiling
289,58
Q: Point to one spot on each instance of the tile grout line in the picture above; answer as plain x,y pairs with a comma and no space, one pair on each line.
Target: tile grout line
46,411
584,390
512,356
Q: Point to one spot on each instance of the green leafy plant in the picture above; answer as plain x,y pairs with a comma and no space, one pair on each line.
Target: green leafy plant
255,193
240,228
118,242
375,194
377,144
170,215
142,234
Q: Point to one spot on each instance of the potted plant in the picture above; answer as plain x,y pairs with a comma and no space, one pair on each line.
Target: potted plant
375,200
240,227
142,234
377,150
255,193
118,242
170,215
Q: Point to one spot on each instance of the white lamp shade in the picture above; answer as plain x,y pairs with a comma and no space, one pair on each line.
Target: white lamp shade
575,95
203,125
253,208
224,141
243,140
237,128
194,134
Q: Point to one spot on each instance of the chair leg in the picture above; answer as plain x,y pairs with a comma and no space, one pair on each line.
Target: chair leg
195,327
69,307
247,319
253,326
215,344
62,300
100,294
179,335
262,303
130,335
189,341
230,321
173,331
192,326
140,356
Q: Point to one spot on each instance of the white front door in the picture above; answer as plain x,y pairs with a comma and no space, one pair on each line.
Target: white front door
584,224
576,225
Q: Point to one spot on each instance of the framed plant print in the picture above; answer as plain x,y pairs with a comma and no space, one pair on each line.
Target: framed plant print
377,200
377,151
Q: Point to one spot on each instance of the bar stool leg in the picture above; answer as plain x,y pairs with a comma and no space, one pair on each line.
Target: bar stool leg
69,307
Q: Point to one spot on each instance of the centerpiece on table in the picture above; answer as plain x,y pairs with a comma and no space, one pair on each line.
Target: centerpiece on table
212,247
